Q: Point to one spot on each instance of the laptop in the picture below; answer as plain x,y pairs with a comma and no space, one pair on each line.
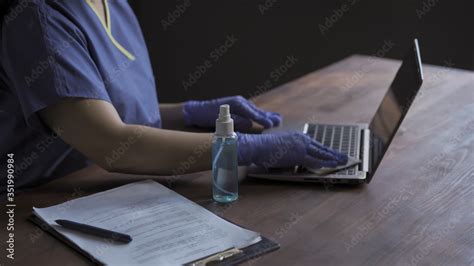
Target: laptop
365,144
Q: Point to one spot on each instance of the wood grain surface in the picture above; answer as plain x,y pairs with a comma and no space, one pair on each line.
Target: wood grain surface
418,209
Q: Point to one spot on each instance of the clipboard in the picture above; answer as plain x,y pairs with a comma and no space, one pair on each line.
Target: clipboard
203,233
228,257
236,256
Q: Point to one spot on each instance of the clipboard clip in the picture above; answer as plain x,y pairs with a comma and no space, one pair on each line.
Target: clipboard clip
217,257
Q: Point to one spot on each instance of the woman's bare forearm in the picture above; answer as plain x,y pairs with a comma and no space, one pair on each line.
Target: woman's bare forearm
161,152
95,128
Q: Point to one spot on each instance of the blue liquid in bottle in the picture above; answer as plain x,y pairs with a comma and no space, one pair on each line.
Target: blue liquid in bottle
225,183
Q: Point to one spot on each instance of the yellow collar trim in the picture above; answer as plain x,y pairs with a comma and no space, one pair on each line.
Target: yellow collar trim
108,28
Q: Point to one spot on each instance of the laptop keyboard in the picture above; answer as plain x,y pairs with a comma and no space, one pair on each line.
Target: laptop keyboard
339,137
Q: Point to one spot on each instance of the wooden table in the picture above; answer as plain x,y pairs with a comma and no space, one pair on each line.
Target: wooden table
418,209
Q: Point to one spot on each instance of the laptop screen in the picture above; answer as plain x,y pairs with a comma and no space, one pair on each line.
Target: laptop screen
395,105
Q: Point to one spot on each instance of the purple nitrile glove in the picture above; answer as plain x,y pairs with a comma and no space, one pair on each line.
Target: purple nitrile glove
286,149
243,111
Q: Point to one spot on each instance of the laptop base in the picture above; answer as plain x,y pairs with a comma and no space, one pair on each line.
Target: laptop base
358,149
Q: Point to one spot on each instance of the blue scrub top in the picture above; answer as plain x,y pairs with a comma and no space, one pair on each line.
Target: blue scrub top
53,49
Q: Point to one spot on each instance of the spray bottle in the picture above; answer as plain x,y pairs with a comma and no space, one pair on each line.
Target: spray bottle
225,183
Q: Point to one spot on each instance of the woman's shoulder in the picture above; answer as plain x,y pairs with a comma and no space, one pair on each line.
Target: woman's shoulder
34,12
42,19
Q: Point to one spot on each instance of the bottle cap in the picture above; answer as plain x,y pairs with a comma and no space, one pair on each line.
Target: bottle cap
224,123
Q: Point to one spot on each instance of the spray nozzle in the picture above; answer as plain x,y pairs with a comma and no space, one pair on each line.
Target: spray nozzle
224,113
224,123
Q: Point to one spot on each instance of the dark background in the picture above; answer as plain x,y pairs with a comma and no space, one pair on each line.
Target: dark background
267,31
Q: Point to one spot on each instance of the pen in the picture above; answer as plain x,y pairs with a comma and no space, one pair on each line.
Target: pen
96,231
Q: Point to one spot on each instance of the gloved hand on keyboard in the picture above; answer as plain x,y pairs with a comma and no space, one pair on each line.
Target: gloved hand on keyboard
204,113
286,149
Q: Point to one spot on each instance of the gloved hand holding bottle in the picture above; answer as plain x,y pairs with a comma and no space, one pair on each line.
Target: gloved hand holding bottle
204,113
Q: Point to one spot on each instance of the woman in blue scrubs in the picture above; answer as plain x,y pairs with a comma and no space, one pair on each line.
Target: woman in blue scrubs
76,86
